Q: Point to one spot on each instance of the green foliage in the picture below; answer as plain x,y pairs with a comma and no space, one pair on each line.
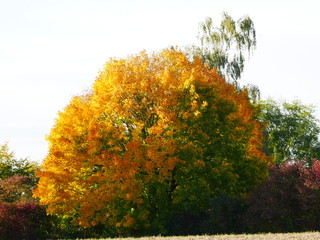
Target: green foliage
288,201
224,47
10,166
225,216
292,131
63,228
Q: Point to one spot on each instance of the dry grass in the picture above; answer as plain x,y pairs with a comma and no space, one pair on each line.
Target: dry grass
269,236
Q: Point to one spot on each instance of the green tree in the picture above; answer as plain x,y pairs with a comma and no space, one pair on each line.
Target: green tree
292,130
10,166
157,136
224,47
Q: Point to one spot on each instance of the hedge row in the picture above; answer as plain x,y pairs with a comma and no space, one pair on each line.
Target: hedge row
288,201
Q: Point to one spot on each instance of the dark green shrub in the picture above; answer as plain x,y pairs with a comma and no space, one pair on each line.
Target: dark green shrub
225,216
184,223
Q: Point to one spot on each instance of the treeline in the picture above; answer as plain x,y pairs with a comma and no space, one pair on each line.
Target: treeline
288,201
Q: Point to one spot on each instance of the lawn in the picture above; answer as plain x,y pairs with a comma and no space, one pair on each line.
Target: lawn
269,236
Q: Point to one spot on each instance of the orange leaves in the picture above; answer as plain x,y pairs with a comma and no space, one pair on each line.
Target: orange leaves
128,221
156,130
152,124
186,115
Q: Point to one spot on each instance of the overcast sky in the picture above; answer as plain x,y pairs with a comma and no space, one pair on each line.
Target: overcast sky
51,50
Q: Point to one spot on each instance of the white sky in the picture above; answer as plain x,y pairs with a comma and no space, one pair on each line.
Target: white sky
51,50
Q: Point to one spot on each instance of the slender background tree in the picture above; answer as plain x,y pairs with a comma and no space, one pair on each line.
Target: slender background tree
225,47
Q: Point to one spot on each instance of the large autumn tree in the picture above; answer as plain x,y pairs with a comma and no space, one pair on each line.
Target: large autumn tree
157,135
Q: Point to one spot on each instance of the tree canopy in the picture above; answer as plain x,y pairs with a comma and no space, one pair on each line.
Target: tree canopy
158,134
292,130
224,47
10,165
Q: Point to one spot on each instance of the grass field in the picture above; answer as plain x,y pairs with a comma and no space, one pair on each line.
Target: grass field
295,236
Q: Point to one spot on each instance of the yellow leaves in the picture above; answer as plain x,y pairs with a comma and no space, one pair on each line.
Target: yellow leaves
188,115
194,105
146,114
156,130
204,104
197,113
58,154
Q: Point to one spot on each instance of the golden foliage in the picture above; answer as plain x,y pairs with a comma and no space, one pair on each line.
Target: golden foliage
150,120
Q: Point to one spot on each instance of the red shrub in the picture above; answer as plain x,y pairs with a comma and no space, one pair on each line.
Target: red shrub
16,188
23,221
21,217
289,200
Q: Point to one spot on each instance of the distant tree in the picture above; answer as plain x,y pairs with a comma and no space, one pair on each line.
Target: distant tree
225,47
292,130
10,166
157,136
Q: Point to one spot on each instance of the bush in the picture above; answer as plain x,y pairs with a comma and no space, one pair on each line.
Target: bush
225,216
21,217
23,221
185,223
289,201
63,228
